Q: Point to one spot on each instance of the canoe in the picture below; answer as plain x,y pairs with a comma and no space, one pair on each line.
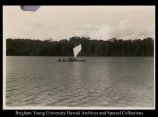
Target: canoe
77,60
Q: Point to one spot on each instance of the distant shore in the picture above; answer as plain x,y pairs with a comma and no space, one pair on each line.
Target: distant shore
78,56
90,47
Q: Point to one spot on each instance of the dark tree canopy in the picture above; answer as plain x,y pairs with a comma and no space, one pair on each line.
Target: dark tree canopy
90,47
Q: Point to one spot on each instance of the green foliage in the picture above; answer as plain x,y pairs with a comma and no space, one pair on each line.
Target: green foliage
111,47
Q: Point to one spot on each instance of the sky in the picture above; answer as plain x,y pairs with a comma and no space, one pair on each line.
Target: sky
63,22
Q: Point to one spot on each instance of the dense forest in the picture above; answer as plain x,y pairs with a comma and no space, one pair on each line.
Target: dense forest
90,47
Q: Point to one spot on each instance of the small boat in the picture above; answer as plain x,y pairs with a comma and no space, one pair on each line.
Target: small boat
76,51
71,60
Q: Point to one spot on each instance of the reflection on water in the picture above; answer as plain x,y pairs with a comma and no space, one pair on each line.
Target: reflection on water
100,82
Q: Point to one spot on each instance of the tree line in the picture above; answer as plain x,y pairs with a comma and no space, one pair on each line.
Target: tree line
90,47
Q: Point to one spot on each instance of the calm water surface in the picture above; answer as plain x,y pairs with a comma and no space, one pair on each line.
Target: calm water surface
100,81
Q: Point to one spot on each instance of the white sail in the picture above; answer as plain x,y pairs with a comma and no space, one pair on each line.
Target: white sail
76,50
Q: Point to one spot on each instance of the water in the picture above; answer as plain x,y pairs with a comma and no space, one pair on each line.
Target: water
99,82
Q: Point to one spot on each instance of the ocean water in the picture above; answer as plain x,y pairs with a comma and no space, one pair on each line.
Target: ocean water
98,82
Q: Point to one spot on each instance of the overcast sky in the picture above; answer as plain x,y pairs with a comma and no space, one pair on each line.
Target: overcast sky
62,22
